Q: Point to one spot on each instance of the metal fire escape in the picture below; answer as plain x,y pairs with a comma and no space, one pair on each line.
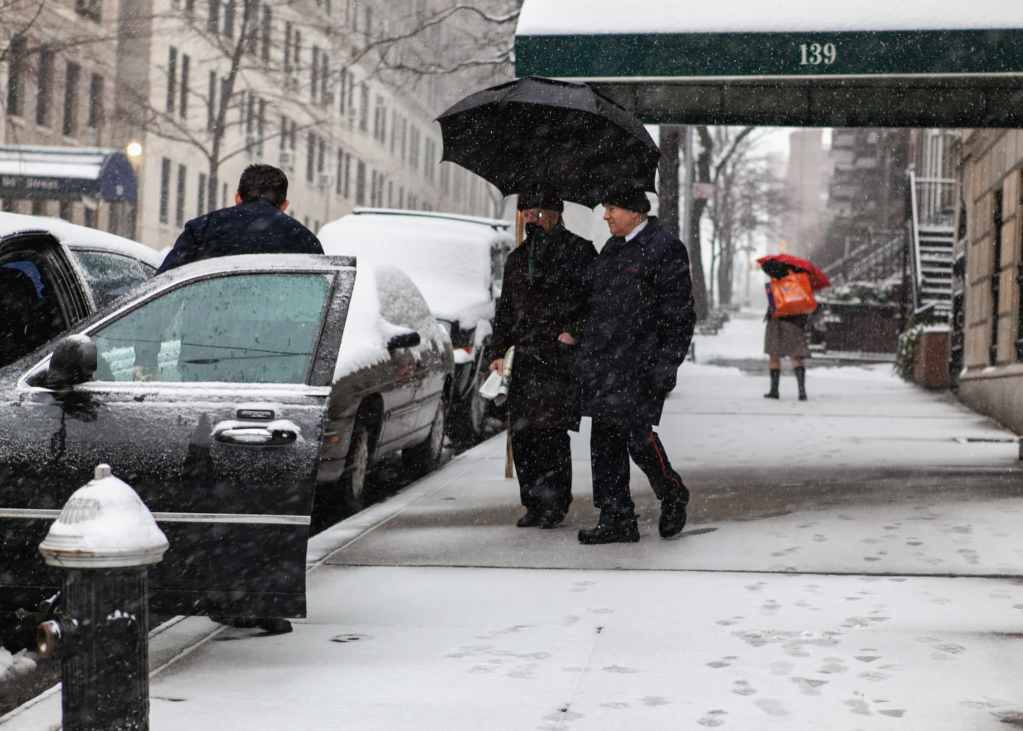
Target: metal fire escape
933,242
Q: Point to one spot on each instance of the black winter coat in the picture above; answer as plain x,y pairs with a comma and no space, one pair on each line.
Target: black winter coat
256,227
544,293
641,323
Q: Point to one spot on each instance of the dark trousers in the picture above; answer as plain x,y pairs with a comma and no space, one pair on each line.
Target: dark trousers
543,461
611,445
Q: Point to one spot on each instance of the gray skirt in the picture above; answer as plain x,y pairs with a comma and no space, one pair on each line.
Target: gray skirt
786,337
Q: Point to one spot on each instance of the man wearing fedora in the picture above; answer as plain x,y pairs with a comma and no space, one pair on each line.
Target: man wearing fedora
541,312
641,321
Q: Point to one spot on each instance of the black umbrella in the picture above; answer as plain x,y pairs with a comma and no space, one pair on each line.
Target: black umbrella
540,132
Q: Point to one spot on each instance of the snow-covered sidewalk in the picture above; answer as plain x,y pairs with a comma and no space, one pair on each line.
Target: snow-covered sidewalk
851,562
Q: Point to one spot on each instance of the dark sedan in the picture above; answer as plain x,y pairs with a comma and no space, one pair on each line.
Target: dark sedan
227,393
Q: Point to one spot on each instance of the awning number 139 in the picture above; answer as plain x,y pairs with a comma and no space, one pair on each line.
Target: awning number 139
815,54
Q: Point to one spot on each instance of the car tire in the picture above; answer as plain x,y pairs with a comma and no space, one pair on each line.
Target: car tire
426,457
354,481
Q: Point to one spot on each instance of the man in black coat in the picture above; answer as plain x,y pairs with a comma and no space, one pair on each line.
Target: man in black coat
641,322
541,313
256,224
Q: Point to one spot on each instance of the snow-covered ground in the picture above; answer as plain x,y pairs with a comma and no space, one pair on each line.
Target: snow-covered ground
851,562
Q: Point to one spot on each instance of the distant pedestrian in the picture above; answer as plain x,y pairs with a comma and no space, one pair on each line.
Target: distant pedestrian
541,312
256,224
785,337
640,326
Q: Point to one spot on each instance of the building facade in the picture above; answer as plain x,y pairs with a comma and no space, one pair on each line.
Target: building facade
57,88
196,90
807,173
989,248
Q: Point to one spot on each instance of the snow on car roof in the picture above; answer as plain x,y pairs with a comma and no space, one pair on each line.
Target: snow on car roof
449,260
78,237
498,223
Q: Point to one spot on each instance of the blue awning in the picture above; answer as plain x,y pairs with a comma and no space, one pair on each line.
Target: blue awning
66,173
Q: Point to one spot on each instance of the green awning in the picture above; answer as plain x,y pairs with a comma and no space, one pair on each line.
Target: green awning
917,64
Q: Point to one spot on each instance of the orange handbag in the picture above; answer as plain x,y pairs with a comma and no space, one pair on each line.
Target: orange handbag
792,295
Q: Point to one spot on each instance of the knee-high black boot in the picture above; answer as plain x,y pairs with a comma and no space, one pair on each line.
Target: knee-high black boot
775,377
801,381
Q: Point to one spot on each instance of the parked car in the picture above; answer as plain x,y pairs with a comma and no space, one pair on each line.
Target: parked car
54,273
458,264
228,393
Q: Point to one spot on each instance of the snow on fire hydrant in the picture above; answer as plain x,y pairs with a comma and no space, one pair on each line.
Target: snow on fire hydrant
105,539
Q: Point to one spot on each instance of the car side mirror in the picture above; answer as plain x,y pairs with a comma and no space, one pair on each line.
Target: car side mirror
403,340
73,362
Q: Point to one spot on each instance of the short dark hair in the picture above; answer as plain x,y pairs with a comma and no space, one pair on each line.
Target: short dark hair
263,182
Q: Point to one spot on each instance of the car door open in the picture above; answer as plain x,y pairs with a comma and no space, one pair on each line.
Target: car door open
209,400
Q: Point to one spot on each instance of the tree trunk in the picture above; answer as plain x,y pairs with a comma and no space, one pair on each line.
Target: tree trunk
703,175
668,172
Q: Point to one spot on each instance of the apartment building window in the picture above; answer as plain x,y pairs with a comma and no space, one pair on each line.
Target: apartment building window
401,196
351,95
380,121
179,209
213,17
264,52
96,110
360,183
287,47
250,114
325,97
347,192
91,9
996,266
342,90
190,11
310,158
172,78
445,179
165,181
211,102
430,159
186,64
251,24
297,51
260,127
321,156
72,79
338,185
364,107
16,54
373,188
413,152
43,98
200,198
390,193
404,137
394,129
229,8
314,74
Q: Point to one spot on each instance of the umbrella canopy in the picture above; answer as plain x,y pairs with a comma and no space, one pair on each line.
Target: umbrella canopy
778,265
537,132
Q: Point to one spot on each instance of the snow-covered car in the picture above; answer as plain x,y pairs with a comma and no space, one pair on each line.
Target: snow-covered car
231,394
54,273
458,264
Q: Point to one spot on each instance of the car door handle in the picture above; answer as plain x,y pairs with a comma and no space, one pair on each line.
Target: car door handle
279,433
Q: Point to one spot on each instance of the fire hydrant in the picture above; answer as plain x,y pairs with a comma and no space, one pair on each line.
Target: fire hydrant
105,538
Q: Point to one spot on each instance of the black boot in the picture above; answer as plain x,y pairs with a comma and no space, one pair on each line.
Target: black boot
530,520
673,514
775,377
801,381
612,528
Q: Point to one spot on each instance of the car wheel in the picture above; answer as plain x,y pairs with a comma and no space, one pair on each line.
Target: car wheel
425,457
353,482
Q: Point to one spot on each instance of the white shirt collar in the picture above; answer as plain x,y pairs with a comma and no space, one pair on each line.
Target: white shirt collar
635,232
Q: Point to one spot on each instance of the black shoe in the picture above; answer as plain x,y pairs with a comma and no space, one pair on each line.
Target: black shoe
613,530
775,378
772,394
275,625
673,516
530,520
802,397
550,519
